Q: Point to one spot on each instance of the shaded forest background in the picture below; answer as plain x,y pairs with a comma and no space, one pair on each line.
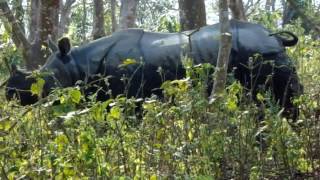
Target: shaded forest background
26,25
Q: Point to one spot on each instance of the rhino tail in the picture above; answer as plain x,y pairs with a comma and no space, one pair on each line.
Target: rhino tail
285,41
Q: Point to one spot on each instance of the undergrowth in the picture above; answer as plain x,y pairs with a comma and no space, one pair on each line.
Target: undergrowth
181,136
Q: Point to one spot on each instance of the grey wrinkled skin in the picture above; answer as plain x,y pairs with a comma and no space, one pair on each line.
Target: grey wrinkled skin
153,50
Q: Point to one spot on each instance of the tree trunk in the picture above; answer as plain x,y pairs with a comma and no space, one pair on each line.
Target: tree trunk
289,13
65,11
128,14
224,50
35,55
237,10
19,13
308,21
192,14
17,30
248,5
31,52
113,15
44,20
273,5
270,5
49,19
98,20
34,20
84,21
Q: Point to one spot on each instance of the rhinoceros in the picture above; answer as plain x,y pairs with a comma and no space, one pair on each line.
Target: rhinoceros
151,50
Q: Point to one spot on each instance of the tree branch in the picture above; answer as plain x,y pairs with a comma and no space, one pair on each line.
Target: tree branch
34,26
98,19
65,12
237,9
224,51
113,15
248,6
16,28
309,20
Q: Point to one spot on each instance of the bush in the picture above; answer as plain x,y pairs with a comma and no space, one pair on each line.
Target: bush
182,136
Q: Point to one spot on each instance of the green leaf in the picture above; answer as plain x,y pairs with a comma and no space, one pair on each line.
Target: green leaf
153,177
127,62
232,103
115,112
61,140
75,95
260,97
62,99
98,110
37,87
190,135
69,171
5,123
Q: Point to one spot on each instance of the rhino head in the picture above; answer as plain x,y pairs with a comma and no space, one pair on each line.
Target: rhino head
18,86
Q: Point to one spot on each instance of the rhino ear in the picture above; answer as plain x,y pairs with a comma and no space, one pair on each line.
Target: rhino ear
64,46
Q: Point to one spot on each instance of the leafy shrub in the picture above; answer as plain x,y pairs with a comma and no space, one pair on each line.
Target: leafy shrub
180,136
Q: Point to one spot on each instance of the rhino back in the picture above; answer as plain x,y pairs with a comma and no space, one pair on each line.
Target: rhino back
90,56
150,51
250,39
163,49
205,44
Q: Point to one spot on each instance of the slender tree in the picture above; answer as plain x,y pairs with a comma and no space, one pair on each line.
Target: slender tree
19,11
84,21
34,20
18,34
289,12
98,20
237,9
294,9
128,14
192,14
270,5
65,11
221,68
224,50
44,21
113,15
49,18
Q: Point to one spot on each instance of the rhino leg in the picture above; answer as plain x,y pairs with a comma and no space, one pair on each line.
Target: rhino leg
277,74
286,87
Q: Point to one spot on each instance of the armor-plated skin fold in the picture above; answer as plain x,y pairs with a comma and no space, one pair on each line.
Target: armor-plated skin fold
151,50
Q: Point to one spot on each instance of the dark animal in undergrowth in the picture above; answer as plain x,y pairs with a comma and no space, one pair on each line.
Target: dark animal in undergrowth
153,50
